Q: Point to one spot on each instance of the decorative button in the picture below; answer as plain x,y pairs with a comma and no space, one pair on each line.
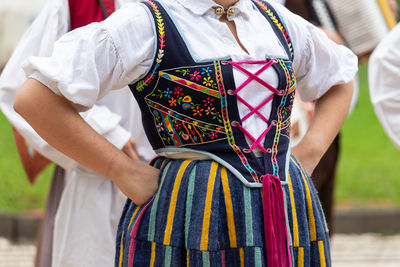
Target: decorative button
219,11
231,12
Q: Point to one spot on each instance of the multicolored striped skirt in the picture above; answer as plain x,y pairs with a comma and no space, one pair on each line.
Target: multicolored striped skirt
202,215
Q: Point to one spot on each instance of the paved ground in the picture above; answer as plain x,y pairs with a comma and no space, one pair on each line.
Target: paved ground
16,255
367,250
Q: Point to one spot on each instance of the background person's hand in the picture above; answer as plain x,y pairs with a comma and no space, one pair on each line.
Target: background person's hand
130,149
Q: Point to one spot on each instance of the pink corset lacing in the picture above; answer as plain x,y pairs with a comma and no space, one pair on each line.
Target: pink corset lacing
276,233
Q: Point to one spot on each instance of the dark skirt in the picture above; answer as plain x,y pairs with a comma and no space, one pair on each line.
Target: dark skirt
44,249
202,215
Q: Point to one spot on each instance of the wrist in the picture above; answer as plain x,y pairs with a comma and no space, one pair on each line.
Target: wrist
309,152
314,145
118,165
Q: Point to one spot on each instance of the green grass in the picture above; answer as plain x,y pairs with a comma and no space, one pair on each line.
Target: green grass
16,193
369,169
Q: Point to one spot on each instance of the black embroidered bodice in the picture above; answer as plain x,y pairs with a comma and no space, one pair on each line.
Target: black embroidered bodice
192,107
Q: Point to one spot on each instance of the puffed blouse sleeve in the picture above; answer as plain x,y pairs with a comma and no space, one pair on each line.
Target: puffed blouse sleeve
319,63
89,62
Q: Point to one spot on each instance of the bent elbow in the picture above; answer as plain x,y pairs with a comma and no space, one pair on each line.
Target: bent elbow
28,98
22,104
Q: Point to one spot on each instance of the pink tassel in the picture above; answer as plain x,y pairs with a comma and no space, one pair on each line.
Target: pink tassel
276,234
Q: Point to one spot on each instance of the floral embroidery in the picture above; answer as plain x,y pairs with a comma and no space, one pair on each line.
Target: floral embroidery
208,102
195,76
206,71
177,132
177,125
161,45
210,110
178,91
160,127
183,71
185,137
207,81
183,81
172,102
185,105
167,93
197,111
187,99
286,128
213,135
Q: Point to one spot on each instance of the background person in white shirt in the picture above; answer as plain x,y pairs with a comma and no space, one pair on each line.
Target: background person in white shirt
87,216
384,83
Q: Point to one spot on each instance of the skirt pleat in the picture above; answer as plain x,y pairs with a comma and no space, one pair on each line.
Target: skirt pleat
202,215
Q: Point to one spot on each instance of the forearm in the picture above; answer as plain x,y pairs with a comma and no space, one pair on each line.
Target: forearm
330,112
56,121
107,123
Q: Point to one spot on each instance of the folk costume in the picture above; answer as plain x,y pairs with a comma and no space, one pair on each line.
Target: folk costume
88,199
219,119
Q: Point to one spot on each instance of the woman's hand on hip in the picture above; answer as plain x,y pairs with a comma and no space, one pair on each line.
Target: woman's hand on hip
138,181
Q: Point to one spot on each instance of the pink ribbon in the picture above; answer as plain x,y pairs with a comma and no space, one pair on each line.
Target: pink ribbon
276,235
133,234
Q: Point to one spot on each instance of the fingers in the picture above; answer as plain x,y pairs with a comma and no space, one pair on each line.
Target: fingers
130,149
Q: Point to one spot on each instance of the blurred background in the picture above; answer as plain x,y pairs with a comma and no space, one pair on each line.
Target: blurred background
367,190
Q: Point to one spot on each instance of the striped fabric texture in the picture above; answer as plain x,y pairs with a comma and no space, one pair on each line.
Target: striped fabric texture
202,215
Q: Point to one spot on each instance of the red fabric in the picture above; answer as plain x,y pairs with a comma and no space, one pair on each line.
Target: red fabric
33,162
83,12
110,6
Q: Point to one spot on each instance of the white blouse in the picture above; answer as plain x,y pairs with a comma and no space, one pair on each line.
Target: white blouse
282,2
89,62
